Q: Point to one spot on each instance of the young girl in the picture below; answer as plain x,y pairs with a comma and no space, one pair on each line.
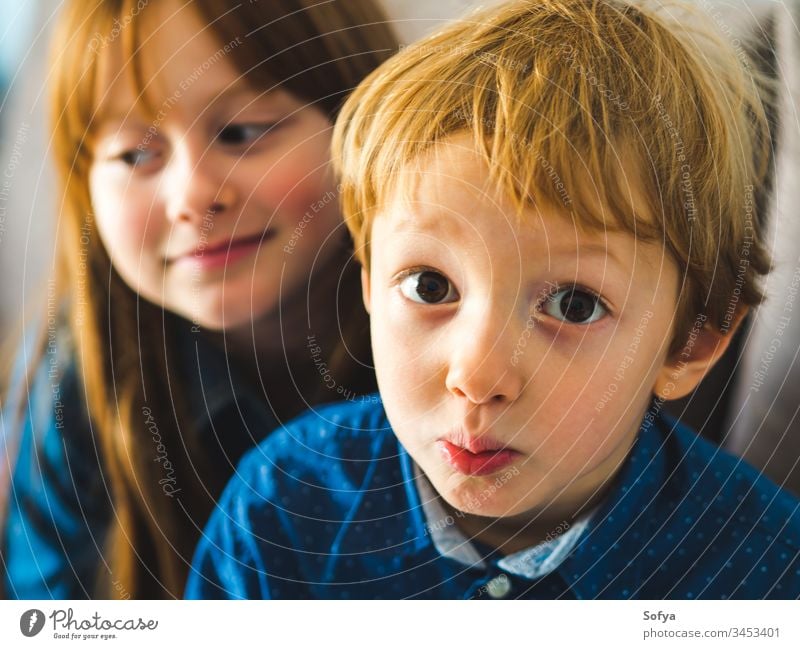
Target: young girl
204,291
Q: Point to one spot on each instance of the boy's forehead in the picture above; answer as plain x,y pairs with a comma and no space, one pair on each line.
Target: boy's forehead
443,186
448,191
549,241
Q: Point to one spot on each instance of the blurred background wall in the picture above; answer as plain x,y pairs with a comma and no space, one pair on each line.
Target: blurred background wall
27,211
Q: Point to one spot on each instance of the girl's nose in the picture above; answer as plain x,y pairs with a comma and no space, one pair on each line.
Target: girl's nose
481,367
195,189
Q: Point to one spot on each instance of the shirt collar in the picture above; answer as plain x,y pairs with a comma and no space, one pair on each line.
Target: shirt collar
531,563
445,535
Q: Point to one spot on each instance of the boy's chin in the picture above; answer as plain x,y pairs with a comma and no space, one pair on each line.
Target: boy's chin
482,497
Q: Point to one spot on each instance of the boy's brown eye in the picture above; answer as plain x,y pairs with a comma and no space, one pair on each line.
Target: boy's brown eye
574,305
428,287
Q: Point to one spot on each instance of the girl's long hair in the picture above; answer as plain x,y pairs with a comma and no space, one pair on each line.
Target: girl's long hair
124,346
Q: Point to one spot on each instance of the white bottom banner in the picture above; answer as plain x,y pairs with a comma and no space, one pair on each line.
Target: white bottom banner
356,624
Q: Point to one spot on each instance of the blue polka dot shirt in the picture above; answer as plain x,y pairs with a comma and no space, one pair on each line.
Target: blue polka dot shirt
329,507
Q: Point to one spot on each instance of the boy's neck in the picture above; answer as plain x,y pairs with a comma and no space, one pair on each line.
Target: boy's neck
516,533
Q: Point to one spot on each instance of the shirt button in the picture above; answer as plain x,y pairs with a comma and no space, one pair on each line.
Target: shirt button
498,587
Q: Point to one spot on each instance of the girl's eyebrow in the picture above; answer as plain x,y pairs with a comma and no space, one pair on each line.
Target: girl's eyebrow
239,91
115,119
116,112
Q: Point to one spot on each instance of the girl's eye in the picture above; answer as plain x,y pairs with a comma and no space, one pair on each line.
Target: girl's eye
137,157
574,305
428,287
238,134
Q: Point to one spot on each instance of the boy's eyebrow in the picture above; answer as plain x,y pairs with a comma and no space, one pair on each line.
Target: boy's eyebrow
429,222
620,263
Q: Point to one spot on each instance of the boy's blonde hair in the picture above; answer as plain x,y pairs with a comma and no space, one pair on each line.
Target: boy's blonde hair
582,104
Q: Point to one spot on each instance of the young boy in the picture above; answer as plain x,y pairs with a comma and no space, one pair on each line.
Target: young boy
552,203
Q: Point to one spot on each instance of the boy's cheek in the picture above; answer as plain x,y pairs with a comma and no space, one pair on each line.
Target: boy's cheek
403,330
404,377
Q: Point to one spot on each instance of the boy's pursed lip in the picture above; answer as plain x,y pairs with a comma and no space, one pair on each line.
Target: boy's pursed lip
222,253
475,456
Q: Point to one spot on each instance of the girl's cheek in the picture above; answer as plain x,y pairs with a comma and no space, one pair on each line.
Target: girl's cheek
136,220
301,179
127,222
301,185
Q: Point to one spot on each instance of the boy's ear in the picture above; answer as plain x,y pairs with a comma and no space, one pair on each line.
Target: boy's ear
683,371
365,288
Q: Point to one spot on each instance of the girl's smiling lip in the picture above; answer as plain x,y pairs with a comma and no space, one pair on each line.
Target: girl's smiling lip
475,456
224,253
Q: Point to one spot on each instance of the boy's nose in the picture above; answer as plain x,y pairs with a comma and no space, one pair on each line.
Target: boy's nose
481,367
195,189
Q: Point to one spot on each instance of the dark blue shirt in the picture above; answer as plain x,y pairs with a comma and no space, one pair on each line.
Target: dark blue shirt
329,507
59,505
